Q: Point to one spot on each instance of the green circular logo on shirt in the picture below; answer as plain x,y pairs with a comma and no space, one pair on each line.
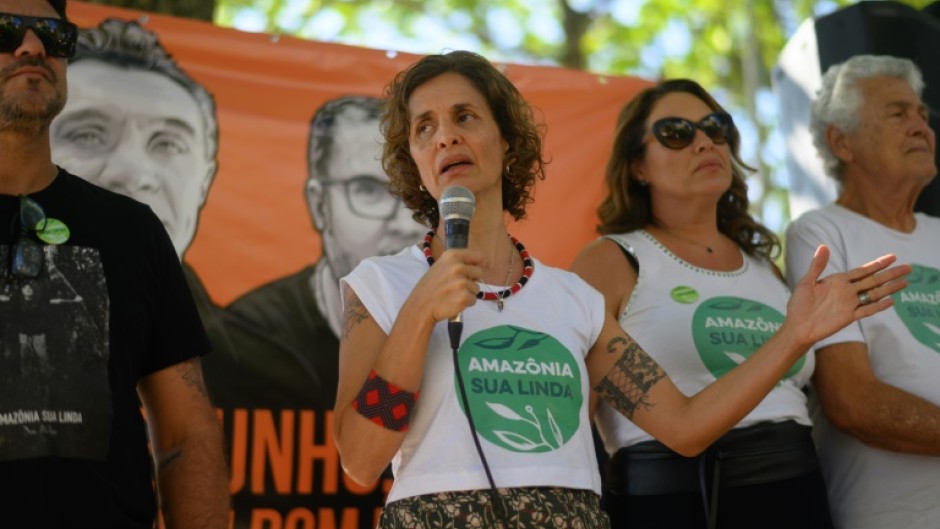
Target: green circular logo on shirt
727,330
54,232
918,305
684,294
523,386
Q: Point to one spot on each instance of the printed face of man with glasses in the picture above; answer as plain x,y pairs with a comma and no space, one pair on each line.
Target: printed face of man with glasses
347,192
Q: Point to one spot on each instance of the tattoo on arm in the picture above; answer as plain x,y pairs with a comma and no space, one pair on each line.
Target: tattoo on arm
355,312
627,385
165,499
169,458
191,373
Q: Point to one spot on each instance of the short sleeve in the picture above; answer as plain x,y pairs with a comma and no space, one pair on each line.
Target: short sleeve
178,332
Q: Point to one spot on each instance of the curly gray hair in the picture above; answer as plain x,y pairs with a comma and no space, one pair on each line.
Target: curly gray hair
839,98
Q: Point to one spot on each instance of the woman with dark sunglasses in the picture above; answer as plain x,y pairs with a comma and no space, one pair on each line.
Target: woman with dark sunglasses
689,274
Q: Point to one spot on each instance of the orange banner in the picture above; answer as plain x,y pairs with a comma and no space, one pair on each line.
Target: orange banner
258,213
255,227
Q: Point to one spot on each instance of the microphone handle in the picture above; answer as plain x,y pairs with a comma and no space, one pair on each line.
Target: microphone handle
454,330
457,235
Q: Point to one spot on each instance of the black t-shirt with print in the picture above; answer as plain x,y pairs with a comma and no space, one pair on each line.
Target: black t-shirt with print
109,307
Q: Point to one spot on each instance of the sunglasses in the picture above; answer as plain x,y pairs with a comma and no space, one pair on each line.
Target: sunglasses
58,36
678,133
27,257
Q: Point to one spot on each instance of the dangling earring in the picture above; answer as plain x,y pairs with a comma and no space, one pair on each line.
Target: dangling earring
508,171
421,188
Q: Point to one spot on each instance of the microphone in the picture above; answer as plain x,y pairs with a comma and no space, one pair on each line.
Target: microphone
456,208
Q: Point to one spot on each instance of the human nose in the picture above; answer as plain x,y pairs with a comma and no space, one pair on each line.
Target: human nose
922,128
447,135
123,175
31,45
702,141
126,169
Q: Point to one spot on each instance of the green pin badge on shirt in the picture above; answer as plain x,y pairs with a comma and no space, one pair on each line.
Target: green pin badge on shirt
684,294
55,231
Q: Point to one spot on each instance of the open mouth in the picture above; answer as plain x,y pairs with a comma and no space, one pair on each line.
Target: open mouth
451,166
453,163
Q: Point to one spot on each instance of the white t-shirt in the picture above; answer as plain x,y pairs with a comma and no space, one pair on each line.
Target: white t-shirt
699,324
525,376
869,487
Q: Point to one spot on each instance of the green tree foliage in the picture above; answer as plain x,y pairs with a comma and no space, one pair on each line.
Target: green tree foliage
198,9
729,46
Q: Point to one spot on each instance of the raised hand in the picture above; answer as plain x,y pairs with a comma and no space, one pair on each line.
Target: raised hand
820,307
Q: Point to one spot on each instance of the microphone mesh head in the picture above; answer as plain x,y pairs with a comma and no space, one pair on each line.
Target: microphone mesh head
457,202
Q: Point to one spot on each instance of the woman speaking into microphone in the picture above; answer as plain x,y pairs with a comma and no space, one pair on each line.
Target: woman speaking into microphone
495,431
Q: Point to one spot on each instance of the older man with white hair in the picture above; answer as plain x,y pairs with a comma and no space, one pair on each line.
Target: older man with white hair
876,382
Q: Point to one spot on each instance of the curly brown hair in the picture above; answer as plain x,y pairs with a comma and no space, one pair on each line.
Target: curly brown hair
628,206
513,115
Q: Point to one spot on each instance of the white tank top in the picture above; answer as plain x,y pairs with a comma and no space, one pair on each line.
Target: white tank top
698,324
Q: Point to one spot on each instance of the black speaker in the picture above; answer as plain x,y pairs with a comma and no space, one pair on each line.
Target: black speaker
890,28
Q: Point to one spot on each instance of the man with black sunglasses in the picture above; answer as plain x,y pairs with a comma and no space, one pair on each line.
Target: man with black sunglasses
96,320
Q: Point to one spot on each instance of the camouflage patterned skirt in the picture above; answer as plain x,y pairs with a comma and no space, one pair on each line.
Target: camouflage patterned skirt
519,508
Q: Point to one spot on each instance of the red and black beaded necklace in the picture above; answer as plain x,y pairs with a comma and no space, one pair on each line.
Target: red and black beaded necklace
498,297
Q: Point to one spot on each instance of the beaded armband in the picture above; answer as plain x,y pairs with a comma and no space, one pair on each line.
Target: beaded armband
384,403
